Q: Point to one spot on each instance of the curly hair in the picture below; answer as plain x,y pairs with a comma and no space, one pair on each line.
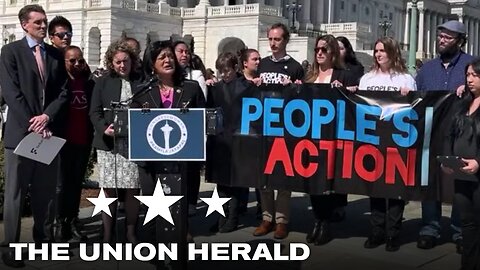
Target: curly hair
334,49
113,49
394,53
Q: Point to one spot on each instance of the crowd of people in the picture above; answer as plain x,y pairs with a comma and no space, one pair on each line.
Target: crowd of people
59,95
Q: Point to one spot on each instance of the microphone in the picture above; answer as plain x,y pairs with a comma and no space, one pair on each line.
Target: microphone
142,89
153,79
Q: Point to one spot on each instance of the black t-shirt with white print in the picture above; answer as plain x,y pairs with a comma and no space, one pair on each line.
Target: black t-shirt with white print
274,72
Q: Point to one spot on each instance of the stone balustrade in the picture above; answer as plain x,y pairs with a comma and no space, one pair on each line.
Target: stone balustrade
143,6
345,27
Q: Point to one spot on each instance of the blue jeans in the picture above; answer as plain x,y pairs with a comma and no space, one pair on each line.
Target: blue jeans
431,215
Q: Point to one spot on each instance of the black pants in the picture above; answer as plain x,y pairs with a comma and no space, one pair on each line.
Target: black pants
235,193
323,206
467,197
383,224
73,165
193,178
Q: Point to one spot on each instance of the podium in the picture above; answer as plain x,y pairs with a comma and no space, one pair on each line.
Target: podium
167,139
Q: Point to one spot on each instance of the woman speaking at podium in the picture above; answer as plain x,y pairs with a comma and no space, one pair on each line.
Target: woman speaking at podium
169,89
119,84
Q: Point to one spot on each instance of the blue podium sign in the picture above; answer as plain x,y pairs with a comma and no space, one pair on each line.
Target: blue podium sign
166,135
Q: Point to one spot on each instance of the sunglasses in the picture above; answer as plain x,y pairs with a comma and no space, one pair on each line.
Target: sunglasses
322,49
62,35
73,61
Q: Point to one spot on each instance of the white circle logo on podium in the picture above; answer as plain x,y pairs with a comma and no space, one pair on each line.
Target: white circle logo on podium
166,121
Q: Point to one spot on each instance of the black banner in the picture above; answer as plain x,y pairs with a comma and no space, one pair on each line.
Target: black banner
315,139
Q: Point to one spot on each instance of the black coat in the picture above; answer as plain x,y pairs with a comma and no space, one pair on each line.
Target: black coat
23,92
228,97
357,71
107,89
186,95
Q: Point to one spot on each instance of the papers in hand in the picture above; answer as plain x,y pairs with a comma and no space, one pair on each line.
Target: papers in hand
33,146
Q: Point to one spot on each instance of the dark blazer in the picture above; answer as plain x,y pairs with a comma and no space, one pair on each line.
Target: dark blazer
344,76
187,95
357,71
107,89
22,89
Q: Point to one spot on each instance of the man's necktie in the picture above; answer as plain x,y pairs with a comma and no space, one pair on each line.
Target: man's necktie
40,63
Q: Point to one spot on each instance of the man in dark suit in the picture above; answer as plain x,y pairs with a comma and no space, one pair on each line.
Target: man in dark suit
33,79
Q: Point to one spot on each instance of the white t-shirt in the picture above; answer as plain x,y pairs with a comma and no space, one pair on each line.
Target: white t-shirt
376,81
196,75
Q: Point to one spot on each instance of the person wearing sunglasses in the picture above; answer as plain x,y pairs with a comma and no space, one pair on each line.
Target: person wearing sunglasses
60,32
76,151
327,68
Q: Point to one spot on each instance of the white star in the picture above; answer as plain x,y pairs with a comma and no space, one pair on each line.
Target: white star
101,203
215,203
158,204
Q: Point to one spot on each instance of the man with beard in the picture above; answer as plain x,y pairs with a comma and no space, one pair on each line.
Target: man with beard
445,72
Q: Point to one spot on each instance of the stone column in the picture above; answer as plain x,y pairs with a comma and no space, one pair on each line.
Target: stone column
204,2
407,27
398,24
306,11
466,22
320,12
477,37
428,33
421,24
472,33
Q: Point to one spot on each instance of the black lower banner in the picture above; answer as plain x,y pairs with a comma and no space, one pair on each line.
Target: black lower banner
316,139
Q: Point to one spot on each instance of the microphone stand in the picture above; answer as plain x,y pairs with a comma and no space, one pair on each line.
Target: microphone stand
116,108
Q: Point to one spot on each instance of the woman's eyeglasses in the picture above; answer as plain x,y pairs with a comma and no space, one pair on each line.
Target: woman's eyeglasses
74,61
62,35
322,49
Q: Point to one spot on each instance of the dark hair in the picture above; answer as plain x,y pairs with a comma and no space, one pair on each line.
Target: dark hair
392,48
24,13
286,33
150,57
58,21
418,63
114,48
136,50
86,72
334,49
197,64
226,59
210,74
459,118
350,57
72,47
245,54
